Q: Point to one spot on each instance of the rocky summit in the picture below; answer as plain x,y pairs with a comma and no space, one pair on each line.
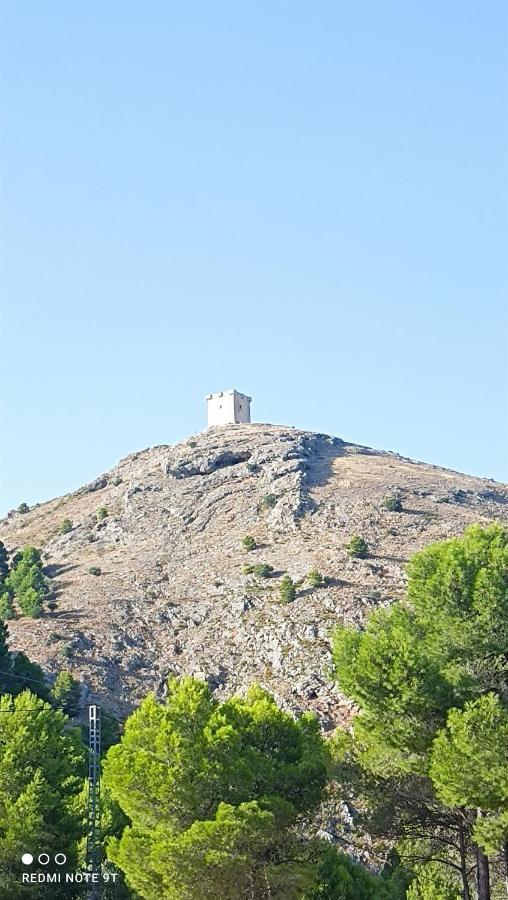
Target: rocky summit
154,583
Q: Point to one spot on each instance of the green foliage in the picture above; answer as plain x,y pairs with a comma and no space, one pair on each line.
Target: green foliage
65,526
23,508
392,503
212,790
469,766
4,562
27,582
95,570
17,672
110,731
357,548
268,501
416,661
431,884
6,608
261,570
429,676
5,656
339,878
101,514
117,480
66,692
42,763
287,591
314,579
26,675
248,542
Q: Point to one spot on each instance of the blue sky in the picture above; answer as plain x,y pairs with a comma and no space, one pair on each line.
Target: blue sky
303,200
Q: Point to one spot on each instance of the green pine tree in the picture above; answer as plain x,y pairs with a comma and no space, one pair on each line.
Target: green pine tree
43,765
212,791
315,579
357,547
66,692
4,562
287,590
435,652
27,582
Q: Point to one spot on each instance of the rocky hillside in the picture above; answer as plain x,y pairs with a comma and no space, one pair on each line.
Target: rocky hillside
172,597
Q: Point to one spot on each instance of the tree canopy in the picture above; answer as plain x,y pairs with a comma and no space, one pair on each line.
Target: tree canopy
213,776
430,676
43,765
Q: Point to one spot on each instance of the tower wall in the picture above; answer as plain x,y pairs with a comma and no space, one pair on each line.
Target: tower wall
228,408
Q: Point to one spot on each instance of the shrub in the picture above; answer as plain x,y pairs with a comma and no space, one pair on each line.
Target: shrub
268,501
67,692
23,508
392,503
248,542
263,570
4,561
315,579
287,591
118,480
65,527
95,570
357,547
30,603
65,650
6,610
101,514
27,582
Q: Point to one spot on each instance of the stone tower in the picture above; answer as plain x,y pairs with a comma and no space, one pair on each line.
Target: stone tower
228,408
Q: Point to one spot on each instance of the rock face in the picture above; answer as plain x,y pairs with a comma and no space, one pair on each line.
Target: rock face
172,597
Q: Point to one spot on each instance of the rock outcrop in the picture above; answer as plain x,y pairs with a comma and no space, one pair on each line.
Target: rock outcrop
172,596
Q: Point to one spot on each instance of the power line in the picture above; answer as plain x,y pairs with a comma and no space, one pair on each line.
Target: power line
39,682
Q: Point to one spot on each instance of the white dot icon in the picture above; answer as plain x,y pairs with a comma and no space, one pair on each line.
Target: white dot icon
27,859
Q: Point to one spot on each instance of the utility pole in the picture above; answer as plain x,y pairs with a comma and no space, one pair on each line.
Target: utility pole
93,841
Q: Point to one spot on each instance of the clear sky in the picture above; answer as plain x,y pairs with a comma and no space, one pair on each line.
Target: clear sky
303,200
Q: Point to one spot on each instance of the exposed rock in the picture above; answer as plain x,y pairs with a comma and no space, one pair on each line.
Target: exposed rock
172,596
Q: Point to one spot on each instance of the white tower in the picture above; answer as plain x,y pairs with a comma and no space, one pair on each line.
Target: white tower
228,408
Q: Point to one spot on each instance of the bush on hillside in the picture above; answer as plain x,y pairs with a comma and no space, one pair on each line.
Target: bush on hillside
357,547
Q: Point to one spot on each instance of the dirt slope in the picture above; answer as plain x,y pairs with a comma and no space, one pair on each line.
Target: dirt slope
172,596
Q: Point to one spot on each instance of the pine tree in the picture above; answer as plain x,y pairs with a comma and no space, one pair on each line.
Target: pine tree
27,581
43,765
315,579
65,526
6,608
212,791
412,665
67,692
17,672
287,591
4,562
357,547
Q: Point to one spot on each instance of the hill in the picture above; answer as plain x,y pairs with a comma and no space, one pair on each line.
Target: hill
172,596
